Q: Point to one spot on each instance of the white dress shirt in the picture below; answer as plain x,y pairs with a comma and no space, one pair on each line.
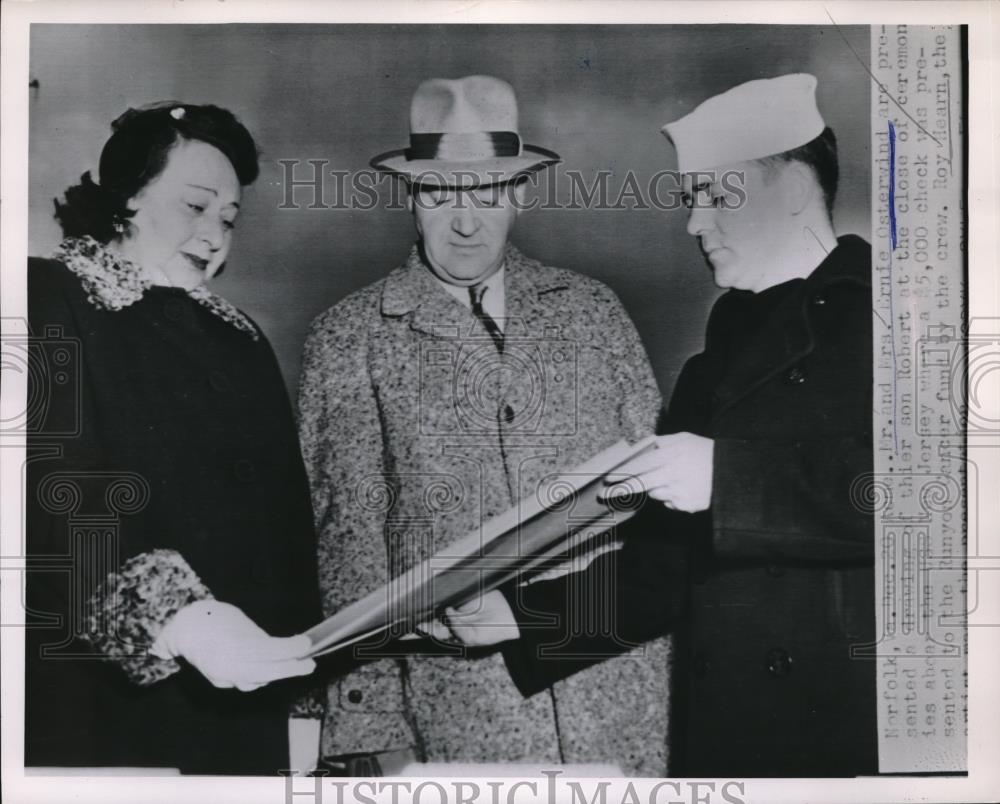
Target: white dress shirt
494,299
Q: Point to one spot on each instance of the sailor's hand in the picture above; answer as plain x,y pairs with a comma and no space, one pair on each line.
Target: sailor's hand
678,473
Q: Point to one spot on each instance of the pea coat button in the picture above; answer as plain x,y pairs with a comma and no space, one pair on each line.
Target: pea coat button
778,662
508,414
775,570
796,375
818,300
219,381
244,471
354,696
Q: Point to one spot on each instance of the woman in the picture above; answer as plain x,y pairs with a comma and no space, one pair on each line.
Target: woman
166,495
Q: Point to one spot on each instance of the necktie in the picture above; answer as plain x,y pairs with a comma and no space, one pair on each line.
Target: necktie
476,296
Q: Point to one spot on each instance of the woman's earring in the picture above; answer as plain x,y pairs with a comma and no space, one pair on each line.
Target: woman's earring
118,225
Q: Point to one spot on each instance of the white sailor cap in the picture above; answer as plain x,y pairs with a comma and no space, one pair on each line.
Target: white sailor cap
750,121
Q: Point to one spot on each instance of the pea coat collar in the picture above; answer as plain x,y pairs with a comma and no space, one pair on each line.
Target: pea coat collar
412,289
788,336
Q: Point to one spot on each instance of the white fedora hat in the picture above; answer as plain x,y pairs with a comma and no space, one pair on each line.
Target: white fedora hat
463,133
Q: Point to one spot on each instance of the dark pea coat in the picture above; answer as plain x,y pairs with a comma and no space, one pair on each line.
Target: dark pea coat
158,429
414,430
770,593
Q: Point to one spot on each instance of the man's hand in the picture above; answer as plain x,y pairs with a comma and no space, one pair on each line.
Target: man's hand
485,620
430,629
678,473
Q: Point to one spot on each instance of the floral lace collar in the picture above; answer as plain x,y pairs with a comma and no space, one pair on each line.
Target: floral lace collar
112,283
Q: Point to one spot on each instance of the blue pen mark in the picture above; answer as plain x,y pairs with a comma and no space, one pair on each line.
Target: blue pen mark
892,184
892,243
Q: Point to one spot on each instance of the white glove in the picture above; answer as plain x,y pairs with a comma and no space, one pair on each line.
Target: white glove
229,648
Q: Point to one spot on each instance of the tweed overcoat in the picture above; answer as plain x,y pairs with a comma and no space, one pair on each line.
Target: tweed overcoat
771,592
163,468
414,430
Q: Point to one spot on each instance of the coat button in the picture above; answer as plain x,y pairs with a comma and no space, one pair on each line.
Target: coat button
219,381
796,375
818,300
244,471
775,570
354,696
778,662
508,414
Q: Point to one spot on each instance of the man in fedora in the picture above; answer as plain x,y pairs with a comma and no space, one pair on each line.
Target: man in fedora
436,398
764,568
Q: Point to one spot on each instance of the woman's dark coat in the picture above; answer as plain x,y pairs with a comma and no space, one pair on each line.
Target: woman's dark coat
159,426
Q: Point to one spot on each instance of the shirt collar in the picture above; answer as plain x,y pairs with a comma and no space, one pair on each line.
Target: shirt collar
412,284
493,297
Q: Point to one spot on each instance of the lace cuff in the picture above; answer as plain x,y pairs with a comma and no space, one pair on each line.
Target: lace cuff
126,612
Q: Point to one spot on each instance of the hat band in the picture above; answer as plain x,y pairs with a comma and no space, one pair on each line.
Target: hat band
463,146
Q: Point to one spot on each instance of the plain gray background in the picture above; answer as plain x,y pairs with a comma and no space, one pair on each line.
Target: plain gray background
597,95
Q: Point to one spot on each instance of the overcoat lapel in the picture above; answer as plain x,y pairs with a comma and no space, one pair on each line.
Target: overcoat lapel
412,288
532,302
532,309
788,336
786,339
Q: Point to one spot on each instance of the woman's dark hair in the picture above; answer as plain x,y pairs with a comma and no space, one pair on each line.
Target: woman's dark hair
137,152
